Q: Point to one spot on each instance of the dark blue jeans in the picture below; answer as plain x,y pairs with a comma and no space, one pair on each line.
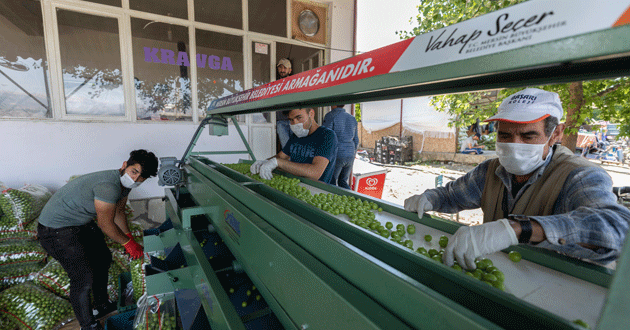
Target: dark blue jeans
82,252
343,169
476,151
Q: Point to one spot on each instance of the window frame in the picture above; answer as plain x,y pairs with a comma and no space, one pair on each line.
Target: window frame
123,15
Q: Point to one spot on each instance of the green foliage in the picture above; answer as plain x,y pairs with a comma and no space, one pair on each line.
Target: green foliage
357,112
436,14
607,99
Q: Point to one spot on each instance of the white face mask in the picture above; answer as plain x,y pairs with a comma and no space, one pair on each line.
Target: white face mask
128,182
521,158
299,130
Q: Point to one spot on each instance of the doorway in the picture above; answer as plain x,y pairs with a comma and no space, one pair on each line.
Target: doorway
262,137
302,59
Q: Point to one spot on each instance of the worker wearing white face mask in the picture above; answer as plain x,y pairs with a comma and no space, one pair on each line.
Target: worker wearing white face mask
535,193
68,232
310,151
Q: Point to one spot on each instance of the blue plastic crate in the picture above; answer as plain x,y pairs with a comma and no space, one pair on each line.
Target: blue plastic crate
166,225
122,321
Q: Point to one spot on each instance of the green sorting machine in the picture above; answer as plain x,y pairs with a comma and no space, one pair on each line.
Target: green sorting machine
254,257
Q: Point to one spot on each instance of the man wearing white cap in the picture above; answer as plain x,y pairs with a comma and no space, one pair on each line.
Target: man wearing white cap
283,70
535,193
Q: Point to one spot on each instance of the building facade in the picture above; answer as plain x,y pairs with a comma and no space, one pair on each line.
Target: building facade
82,83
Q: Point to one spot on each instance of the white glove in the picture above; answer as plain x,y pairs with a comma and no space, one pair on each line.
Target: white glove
418,203
267,168
255,168
468,243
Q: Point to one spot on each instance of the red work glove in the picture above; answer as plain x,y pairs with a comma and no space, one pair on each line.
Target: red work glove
129,235
134,249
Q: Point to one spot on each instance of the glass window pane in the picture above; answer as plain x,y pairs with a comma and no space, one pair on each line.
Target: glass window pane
220,12
173,8
115,3
90,61
268,17
161,67
24,89
219,67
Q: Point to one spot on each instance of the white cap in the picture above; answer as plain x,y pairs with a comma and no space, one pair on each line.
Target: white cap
285,62
529,106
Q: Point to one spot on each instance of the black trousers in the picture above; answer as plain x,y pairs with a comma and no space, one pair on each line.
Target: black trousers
82,252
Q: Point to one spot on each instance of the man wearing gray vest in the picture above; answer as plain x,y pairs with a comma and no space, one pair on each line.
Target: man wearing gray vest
66,231
536,192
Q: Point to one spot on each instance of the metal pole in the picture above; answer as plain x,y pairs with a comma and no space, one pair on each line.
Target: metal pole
193,142
401,117
238,128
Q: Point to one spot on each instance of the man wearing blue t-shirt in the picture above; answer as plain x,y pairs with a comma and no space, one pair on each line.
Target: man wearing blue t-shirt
345,127
310,151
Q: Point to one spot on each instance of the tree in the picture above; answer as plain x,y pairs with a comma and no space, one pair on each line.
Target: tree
607,99
357,112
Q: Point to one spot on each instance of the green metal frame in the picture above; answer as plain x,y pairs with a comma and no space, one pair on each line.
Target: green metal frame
198,275
274,262
498,307
308,237
193,142
411,303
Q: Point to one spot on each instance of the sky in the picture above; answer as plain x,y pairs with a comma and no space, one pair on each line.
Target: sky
378,20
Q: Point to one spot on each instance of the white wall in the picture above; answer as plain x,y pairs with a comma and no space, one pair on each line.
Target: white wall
48,153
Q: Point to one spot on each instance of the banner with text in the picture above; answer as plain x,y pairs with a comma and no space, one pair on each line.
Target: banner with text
522,25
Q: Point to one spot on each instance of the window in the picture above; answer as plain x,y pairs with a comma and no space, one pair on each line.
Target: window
24,89
161,67
172,8
268,17
115,3
91,64
219,67
220,12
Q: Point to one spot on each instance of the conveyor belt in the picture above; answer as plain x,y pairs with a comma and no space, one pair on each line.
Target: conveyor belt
554,291
524,306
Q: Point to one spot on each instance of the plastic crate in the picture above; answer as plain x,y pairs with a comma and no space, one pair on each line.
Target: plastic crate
166,225
123,280
123,321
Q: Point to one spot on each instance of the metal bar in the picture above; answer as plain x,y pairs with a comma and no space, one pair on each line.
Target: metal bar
238,128
617,308
24,90
193,142
45,73
219,152
81,86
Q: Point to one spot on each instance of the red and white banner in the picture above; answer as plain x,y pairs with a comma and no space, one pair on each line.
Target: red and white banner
526,24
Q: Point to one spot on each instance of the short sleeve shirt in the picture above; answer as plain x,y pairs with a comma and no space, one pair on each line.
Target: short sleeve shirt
345,127
466,142
73,204
323,142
